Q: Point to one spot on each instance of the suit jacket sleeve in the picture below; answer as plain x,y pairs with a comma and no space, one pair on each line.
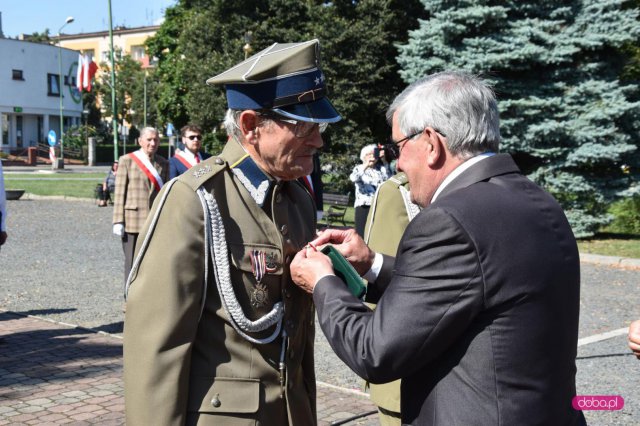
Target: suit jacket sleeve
435,292
173,169
120,193
163,309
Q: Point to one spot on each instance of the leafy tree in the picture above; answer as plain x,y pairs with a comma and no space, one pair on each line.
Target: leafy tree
199,39
43,37
565,116
129,89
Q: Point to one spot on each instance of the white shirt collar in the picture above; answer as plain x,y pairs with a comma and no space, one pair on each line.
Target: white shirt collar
458,171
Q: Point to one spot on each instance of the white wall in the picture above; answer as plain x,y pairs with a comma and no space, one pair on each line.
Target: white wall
36,60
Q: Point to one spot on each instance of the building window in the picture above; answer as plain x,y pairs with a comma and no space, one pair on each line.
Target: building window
106,56
17,75
66,80
137,52
53,87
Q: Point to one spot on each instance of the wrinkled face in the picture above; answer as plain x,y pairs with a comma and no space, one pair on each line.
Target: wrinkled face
284,155
192,141
413,161
149,142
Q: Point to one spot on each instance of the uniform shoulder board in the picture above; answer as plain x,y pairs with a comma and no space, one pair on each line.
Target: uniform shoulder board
399,179
203,171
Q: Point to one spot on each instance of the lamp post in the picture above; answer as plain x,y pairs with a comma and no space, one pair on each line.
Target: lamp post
145,99
68,21
114,119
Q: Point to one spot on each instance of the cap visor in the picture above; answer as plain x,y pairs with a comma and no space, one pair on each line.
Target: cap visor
320,111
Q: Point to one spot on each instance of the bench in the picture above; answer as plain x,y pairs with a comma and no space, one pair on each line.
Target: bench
338,204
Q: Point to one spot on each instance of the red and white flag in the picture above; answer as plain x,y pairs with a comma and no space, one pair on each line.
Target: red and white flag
86,70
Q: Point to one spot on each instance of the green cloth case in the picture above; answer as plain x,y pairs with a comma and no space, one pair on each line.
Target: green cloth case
345,272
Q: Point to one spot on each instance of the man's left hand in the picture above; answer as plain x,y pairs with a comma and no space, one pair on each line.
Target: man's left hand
308,266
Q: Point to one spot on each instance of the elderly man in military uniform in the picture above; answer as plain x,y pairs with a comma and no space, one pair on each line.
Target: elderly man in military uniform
216,333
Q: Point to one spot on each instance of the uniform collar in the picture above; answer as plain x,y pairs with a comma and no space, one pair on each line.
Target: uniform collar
255,181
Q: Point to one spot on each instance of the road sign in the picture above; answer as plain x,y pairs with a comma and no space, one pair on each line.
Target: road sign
51,138
170,129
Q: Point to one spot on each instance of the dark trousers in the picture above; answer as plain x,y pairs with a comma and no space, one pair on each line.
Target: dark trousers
128,246
361,219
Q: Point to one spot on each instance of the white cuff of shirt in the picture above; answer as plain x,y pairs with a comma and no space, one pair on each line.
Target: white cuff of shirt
372,274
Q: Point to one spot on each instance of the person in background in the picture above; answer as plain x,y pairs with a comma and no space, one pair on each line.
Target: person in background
140,176
3,209
215,332
108,186
390,213
634,338
478,312
367,177
188,157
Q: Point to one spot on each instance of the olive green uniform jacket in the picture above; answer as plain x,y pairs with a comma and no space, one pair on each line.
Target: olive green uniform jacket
386,222
184,367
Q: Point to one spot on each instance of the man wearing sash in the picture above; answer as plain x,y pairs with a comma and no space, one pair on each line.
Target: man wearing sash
140,176
183,160
216,333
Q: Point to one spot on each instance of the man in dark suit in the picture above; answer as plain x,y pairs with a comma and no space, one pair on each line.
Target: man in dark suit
184,159
478,312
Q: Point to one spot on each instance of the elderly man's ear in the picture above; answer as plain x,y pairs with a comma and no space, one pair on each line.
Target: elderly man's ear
249,126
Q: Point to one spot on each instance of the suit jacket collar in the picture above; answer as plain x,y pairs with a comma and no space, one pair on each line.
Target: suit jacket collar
496,165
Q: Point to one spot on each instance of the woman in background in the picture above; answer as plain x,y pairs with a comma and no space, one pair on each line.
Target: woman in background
367,177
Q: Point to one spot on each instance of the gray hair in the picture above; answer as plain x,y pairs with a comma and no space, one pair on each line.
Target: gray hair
367,149
231,125
460,106
149,130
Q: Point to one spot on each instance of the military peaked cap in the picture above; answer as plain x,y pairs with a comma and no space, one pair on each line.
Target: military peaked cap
285,78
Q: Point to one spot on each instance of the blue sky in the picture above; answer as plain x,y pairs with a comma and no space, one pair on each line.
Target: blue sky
29,16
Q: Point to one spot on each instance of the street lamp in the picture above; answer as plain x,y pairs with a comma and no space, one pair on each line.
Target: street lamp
68,21
114,112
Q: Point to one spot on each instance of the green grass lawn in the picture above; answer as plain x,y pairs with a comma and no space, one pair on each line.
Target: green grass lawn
83,185
80,185
608,244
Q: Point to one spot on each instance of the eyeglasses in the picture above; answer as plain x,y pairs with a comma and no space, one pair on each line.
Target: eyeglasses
192,137
396,146
301,129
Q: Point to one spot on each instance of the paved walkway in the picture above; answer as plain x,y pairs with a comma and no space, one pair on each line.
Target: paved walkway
55,373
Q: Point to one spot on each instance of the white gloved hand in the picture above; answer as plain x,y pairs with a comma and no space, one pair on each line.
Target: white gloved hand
118,229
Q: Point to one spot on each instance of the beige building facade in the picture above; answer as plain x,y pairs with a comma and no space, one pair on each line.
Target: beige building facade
130,41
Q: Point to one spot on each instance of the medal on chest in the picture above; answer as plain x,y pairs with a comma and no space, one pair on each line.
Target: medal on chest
261,263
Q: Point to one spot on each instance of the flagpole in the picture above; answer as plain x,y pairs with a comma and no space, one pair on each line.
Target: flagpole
114,118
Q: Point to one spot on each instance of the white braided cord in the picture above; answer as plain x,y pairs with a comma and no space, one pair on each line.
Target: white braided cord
215,239
412,208
147,238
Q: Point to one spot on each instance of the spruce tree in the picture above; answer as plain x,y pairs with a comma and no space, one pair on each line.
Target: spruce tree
565,116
